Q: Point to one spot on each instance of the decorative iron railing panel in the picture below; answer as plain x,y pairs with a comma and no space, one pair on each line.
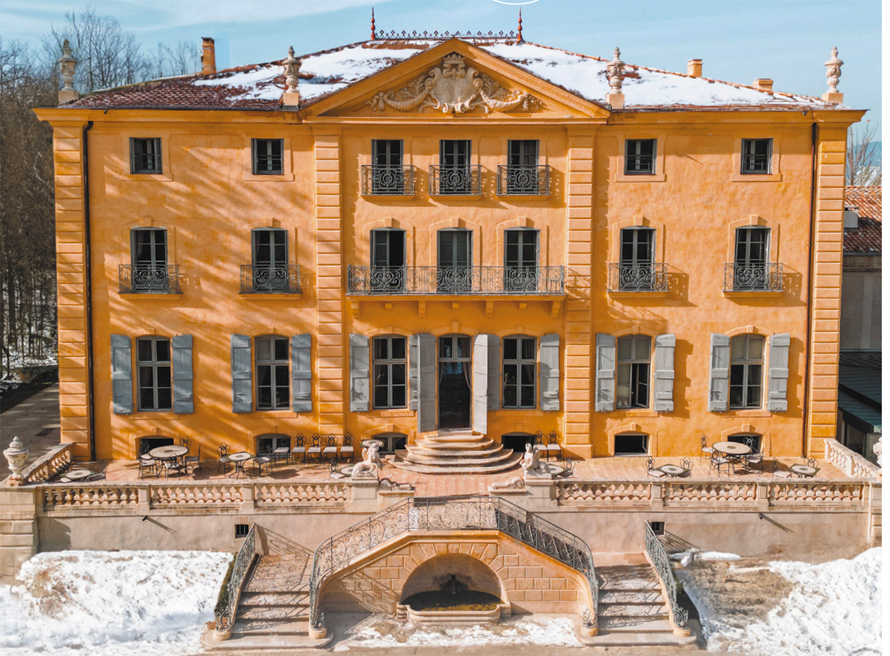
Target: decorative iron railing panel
456,180
663,568
283,279
149,280
523,180
387,180
458,281
754,278
228,597
404,35
637,277
451,514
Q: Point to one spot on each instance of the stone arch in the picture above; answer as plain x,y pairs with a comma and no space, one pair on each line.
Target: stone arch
433,574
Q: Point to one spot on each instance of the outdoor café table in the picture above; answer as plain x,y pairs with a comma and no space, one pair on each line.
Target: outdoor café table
732,449
800,470
78,474
672,470
239,459
170,452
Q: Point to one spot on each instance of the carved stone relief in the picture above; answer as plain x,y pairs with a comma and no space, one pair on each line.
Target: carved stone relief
454,87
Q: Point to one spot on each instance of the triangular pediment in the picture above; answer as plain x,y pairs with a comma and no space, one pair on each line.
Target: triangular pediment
454,79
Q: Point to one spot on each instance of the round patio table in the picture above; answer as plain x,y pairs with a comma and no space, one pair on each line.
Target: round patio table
732,449
671,470
78,474
169,452
803,470
239,459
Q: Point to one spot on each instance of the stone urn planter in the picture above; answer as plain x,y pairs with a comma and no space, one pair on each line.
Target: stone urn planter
16,455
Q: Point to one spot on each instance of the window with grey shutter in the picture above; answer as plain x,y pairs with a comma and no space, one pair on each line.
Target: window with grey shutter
664,372
242,391
413,366
183,393
426,378
778,372
718,387
301,372
548,354
494,373
605,373
359,373
121,375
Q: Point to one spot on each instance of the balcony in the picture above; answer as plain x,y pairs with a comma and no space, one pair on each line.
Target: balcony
270,279
456,181
637,278
387,180
523,180
149,280
752,278
455,281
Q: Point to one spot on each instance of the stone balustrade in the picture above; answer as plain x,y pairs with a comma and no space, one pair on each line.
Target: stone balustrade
849,462
49,465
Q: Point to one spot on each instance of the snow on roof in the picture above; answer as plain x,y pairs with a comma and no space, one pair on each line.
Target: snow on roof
261,86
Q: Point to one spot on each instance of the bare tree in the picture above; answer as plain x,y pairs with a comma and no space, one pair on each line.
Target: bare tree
182,59
863,158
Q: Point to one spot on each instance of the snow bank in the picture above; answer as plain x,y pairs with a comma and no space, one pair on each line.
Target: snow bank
834,608
126,603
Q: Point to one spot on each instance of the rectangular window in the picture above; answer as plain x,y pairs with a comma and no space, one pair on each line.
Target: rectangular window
520,369
387,260
266,444
154,373
272,373
268,156
632,389
390,372
388,175
757,156
455,176
148,260
631,444
637,257
751,270
639,157
455,255
241,530
145,155
521,260
522,167
746,371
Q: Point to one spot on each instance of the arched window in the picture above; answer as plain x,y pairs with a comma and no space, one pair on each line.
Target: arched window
272,373
746,371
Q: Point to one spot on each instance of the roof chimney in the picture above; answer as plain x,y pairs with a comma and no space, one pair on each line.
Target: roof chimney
208,56
693,68
851,218
764,84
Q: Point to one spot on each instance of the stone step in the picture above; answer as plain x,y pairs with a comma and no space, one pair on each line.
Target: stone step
468,447
656,610
463,469
635,625
300,612
275,598
287,626
453,439
624,639
420,459
650,596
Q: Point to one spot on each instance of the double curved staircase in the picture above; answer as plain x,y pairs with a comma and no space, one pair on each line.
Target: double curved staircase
459,451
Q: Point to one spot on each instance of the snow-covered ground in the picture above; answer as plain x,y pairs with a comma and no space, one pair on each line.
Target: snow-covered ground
832,608
124,603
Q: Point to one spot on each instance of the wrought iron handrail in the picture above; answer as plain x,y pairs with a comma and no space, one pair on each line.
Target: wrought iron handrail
380,180
531,180
478,513
456,180
227,603
457,281
277,279
663,568
637,277
752,278
149,279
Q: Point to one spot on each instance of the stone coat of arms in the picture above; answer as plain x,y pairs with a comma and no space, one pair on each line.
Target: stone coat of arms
453,88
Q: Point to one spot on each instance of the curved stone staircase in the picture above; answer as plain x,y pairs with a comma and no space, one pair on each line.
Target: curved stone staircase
458,451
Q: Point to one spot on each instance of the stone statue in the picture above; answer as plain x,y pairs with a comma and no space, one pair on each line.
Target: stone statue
531,463
370,463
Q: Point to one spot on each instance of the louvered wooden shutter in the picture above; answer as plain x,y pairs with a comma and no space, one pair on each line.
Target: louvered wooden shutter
359,373
183,388
426,401
301,372
605,373
413,367
548,355
664,372
242,391
719,381
121,375
778,372
480,384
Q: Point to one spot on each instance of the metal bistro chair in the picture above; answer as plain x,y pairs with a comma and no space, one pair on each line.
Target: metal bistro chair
299,449
223,461
330,451
193,460
754,459
258,462
780,473
553,447
705,449
346,451
147,463
315,449
650,468
720,461
281,453
686,465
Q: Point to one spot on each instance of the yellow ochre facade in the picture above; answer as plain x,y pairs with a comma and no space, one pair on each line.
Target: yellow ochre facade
586,219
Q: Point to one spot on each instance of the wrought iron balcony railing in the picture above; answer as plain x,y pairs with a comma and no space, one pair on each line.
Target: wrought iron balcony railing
387,180
523,180
456,281
752,278
456,180
283,279
637,277
149,280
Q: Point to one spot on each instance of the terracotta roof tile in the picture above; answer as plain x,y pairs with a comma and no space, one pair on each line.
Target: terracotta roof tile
866,239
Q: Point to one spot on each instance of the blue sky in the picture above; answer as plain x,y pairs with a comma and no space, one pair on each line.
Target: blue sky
739,40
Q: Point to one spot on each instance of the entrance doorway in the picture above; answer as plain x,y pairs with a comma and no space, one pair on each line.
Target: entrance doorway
454,381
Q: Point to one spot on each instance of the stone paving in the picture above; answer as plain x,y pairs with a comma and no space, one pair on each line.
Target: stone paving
35,421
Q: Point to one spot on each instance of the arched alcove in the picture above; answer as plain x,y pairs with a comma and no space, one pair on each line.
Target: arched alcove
436,573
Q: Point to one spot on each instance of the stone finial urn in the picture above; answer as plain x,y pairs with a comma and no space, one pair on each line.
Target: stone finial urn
16,455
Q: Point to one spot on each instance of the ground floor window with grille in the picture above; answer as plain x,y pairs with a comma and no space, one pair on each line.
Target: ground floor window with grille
390,372
520,368
631,444
154,373
266,444
272,373
632,390
390,442
752,441
516,441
